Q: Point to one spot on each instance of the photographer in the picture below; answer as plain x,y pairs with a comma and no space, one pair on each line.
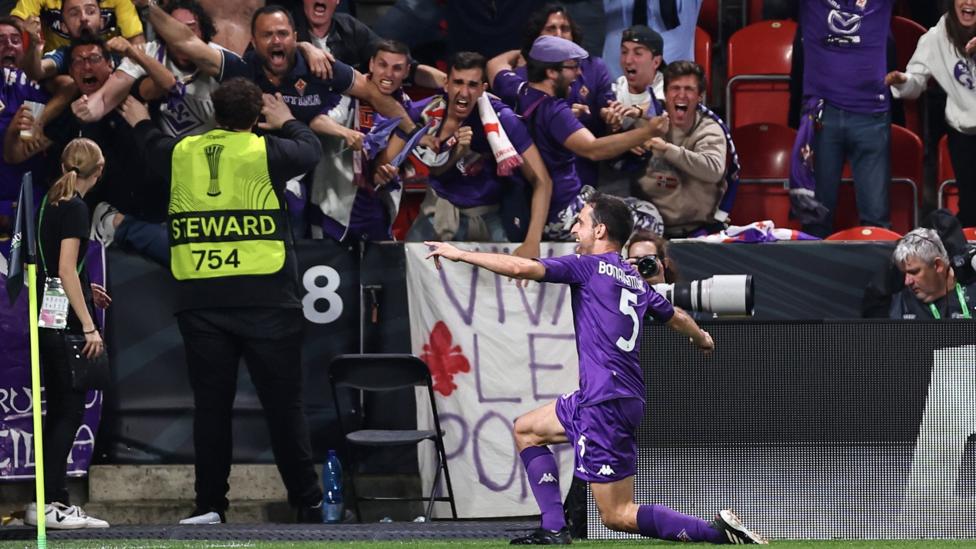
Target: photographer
647,252
931,288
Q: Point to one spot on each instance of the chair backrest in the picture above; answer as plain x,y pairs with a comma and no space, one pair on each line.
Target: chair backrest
710,18
944,168
378,372
753,11
906,34
764,150
970,233
948,192
759,58
765,47
864,233
703,53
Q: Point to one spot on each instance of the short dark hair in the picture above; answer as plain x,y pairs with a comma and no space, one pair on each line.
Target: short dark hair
464,60
678,69
614,213
11,21
535,71
88,38
392,46
204,21
237,103
537,22
268,10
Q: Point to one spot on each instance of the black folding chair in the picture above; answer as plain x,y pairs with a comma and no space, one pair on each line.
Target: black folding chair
387,372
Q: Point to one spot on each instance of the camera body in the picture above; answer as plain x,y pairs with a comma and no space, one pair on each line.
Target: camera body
719,294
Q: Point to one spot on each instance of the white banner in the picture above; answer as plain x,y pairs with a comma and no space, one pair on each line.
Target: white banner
495,351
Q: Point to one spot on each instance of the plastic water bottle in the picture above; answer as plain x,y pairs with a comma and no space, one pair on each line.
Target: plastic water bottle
332,488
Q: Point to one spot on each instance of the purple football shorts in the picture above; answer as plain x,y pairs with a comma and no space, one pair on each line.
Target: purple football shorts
603,436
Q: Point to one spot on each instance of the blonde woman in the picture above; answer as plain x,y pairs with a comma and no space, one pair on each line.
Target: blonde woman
63,229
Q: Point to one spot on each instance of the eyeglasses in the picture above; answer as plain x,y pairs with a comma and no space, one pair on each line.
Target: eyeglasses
93,59
570,67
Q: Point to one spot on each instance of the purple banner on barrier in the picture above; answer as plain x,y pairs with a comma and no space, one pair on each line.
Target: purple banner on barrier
16,399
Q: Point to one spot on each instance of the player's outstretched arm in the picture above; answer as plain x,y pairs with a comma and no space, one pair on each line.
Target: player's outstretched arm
503,264
682,323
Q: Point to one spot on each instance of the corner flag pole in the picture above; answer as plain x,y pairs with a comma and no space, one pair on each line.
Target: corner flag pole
27,194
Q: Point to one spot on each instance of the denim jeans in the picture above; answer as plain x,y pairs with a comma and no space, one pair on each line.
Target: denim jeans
149,239
865,140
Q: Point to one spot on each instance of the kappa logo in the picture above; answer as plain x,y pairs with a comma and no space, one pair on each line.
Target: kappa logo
581,469
548,477
582,445
683,535
605,471
213,163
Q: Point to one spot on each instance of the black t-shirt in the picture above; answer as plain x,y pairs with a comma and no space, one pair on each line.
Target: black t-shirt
64,219
123,180
905,305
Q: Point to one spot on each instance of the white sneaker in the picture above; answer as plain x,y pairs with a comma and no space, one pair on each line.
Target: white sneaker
103,226
90,522
210,517
54,517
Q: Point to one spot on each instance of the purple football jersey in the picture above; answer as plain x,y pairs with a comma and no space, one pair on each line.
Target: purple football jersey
609,300
845,52
550,122
479,185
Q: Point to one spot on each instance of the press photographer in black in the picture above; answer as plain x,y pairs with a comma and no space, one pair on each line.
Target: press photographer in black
932,288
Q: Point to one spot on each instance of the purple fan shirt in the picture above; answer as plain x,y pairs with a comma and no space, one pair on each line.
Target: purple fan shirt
594,89
609,300
845,52
550,124
16,88
479,185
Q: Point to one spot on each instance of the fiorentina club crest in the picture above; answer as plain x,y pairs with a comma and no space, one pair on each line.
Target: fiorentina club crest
300,87
444,358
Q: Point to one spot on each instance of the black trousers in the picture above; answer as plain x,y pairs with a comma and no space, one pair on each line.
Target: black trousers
65,412
962,151
269,340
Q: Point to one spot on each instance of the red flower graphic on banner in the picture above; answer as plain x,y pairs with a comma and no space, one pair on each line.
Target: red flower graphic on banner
444,359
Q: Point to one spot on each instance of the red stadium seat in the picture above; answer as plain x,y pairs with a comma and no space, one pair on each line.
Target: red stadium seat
710,18
906,33
864,233
753,11
946,176
703,54
759,58
764,155
906,174
970,233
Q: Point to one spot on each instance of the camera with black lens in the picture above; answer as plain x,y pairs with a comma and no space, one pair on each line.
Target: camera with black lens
719,294
647,266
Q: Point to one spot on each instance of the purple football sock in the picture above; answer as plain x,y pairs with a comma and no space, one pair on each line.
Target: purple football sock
540,467
658,521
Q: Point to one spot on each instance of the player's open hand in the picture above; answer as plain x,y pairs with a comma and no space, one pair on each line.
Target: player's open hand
442,249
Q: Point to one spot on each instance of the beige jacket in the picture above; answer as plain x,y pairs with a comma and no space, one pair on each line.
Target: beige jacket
686,183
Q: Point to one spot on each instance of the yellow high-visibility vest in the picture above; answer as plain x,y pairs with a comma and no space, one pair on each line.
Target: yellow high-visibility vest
224,216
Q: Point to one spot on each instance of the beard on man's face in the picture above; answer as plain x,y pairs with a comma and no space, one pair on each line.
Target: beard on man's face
562,87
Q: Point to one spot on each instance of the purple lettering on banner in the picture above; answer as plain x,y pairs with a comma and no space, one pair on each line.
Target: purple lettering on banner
447,418
535,366
499,298
17,400
483,477
540,299
466,314
477,378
